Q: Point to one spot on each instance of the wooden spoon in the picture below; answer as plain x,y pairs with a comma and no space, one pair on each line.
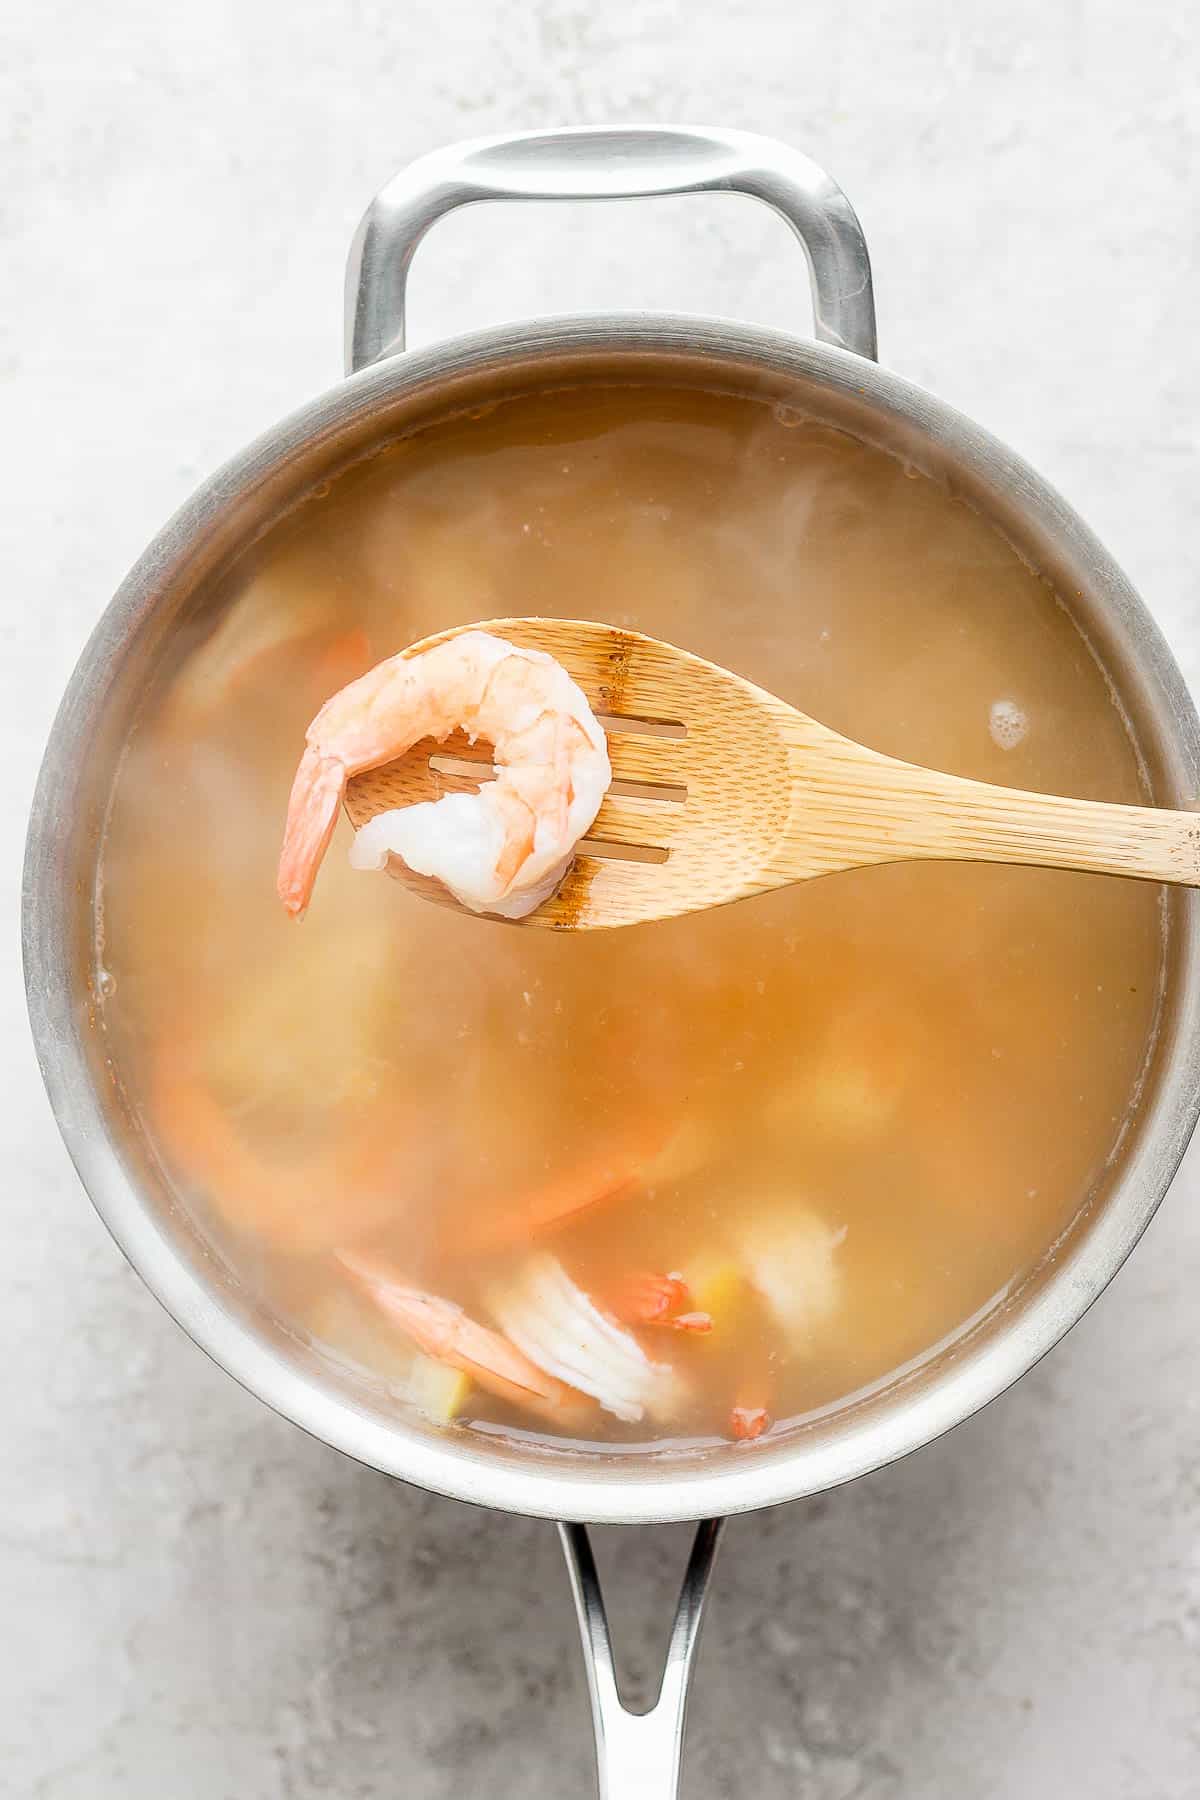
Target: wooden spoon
721,791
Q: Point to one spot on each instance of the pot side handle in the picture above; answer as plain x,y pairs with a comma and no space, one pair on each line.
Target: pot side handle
608,163
638,1754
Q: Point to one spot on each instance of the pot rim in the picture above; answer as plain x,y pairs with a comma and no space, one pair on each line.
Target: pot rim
456,1464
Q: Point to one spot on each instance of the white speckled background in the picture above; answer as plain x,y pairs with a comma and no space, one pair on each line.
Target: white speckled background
201,1604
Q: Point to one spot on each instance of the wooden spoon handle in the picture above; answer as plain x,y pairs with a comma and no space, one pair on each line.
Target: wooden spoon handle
995,824
866,808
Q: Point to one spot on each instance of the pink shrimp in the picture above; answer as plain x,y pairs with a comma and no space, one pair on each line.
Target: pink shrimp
287,1201
605,1175
748,1422
445,1332
504,849
255,637
658,1300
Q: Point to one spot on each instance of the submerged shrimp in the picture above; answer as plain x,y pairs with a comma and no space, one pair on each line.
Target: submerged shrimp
658,1300
300,1203
444,1331
504,849
748,1422
255,637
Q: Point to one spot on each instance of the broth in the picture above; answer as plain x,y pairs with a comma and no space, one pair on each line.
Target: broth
850,1114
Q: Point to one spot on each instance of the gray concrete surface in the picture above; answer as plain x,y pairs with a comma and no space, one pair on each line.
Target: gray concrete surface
200,1603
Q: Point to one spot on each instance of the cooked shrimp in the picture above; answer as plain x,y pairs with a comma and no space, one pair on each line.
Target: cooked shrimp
504,849
553,1321
301,1204
604,1176
444,1331
748,1422
659,1300
255,635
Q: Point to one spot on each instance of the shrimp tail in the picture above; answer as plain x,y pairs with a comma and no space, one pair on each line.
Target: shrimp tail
312,814
748,1422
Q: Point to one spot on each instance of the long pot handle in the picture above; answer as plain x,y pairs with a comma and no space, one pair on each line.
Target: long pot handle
637,1754
608,163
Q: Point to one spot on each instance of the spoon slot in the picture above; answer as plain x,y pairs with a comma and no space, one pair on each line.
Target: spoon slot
640,727
609,850
670,793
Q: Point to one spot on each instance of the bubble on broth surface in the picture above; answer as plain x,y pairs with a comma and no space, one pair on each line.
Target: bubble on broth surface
1007,724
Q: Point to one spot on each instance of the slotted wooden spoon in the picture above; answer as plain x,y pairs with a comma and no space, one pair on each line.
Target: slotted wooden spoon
721,791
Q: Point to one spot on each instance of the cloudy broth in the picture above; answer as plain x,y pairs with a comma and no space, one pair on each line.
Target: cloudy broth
844,1116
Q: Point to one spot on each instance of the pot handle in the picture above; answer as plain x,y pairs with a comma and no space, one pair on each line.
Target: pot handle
607,163
637,1754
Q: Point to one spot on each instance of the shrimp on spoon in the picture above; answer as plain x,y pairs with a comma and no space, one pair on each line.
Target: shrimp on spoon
502,850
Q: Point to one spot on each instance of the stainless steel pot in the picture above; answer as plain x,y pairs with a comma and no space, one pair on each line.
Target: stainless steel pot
388,391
